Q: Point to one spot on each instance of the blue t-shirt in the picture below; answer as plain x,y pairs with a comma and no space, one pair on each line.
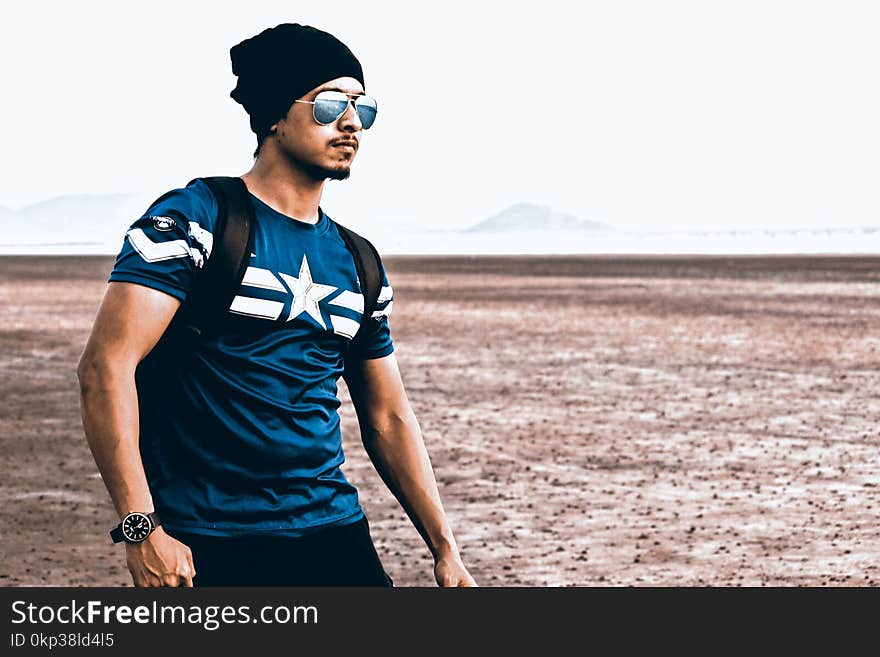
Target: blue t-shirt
242,434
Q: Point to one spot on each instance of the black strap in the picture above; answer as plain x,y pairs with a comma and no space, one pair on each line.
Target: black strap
116,533
367,263
218,282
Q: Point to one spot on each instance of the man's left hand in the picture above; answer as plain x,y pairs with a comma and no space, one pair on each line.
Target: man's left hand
450,571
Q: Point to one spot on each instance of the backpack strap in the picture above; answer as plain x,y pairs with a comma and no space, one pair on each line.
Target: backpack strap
218,281
369,269
233,241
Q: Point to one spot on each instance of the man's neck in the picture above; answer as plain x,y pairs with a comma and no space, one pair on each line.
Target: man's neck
285,188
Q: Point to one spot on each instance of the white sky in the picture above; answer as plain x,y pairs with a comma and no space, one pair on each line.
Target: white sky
642,114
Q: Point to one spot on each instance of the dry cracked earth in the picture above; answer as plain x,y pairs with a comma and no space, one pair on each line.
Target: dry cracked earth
607,421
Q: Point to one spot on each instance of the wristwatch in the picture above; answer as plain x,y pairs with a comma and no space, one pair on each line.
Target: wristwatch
135,527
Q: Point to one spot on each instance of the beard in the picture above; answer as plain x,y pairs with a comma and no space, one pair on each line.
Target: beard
318,172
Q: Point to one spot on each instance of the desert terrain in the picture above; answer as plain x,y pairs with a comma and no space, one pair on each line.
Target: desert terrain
665,421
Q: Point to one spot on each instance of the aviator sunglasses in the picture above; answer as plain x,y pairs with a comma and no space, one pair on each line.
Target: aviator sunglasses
330,105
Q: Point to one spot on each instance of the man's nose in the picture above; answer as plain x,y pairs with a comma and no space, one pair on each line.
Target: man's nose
350,117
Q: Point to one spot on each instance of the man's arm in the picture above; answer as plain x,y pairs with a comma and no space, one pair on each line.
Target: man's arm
130,321
393,440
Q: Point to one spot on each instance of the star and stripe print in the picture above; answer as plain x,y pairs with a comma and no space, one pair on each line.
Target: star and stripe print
307,295
264,293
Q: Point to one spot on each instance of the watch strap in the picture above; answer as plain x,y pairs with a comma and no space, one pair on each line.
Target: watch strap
154,518
116,533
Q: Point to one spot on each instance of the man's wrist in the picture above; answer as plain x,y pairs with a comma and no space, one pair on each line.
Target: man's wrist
445,548
148,539
135,527
137,503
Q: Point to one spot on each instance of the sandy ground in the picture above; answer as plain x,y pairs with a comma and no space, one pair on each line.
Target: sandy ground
592,421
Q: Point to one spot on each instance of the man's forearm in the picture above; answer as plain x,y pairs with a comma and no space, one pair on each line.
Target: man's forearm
110,419
398,452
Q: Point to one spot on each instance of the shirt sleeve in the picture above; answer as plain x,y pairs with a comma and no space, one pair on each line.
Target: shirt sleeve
165,247
373,339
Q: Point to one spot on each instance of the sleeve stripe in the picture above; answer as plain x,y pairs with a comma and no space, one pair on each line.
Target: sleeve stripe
386,294
202,236
386,311
155,251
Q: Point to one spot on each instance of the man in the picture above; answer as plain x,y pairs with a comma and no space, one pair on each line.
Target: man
224,467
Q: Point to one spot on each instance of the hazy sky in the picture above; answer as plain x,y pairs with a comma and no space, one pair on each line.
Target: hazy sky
660,114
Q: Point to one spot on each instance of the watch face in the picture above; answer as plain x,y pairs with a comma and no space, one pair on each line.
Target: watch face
136,527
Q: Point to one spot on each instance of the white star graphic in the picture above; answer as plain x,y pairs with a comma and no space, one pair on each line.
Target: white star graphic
306,294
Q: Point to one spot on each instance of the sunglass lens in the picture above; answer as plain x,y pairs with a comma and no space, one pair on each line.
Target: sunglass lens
367,116
330,105
366,109
327,110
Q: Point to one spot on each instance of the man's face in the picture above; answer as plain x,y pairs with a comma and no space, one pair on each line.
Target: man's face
323,151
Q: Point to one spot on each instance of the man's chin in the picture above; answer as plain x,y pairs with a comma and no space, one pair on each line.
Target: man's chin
325,173
338,174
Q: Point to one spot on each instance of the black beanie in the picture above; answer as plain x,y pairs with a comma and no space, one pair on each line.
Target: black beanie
281,64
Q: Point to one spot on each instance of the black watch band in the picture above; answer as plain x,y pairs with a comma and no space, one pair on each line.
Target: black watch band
144,525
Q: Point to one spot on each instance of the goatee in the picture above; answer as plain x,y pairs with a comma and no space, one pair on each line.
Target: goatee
323,173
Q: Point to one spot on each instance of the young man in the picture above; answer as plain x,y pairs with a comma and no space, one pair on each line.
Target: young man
223,462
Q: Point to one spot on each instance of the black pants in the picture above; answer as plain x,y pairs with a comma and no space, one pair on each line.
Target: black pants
339,556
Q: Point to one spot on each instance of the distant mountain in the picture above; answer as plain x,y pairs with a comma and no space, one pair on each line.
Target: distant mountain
75,205
527,216
72,219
